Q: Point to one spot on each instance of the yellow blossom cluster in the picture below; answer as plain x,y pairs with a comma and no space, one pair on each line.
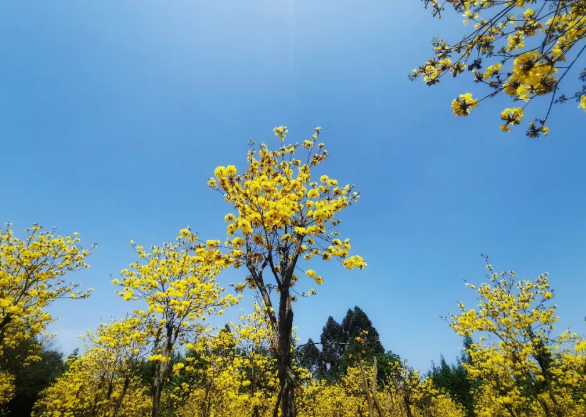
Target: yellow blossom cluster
522,67
177,282
463,104
511,117
6,387
281,213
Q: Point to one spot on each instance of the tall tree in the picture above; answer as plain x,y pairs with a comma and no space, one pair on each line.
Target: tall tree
282,218
526,48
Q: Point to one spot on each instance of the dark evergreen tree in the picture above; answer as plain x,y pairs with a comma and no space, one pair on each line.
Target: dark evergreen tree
333,342
308,356
32,379
453,379
356,323
340,347
362,341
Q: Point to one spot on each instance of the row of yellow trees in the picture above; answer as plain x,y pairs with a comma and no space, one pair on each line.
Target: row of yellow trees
282,217
282,220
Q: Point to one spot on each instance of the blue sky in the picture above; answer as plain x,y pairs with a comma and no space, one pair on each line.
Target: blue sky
113,114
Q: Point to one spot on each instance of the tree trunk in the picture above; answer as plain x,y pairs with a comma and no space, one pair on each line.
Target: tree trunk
161,372
379,408
94,408
124,390
158,388
407,401
366,390
7,319
286,376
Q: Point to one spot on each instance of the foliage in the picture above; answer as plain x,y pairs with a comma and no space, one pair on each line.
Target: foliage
340,343
454,379
238,376
6,387
524,371
333,344
30,379
526,53
165,360
308,356
358,393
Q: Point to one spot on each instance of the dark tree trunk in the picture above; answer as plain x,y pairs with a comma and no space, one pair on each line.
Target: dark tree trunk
286,375
407,401
124,390
157,390
161,372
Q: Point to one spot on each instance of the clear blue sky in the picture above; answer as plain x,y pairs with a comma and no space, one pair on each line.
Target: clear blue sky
113,114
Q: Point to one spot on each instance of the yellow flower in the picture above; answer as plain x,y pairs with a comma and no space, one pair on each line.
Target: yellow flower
463,104
313,193
511,117
281,132
491,70
258,239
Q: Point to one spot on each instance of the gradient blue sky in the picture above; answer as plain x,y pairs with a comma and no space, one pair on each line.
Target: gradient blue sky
113,114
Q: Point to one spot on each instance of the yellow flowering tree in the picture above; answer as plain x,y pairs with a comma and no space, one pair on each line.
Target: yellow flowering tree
104,381
410,395
31,272
281,217
177,283
362,393
31,278
6,387
522,368
343,399
523,48
232,372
